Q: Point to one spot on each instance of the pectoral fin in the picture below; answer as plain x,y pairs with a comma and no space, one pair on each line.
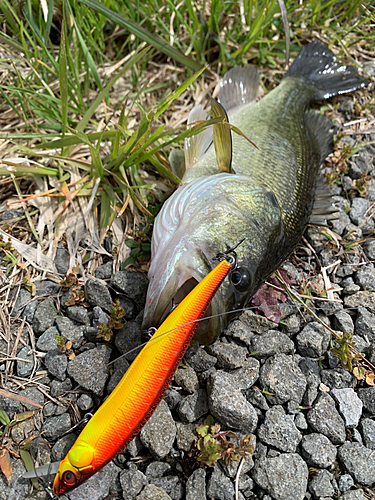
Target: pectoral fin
222,138
197,145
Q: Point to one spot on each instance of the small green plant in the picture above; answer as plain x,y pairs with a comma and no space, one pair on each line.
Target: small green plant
213,444
105,331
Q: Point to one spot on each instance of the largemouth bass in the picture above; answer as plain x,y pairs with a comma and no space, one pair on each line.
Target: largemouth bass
267,197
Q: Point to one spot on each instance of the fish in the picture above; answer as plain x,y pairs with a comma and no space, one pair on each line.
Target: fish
123,414
265,194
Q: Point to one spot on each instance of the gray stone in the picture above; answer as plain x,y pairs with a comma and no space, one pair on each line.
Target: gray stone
345,482
90,369
367,396
281,376
229,405
23,298
97,486
359,462
55,427
363,298
33,394
99,316
313,341
170,485
245,377
270,343
187,379
119,368
62,260
368,432
62,446
193,406
79,314
369,249
128,340
59,388
300,422
343,321
70,331
349,404
159,432
25,363
186,435
279,430
196,485
318,451
199,359
46,288
361,345
284,477
56,363
257,323
157,469
15,489
292,324
229,356
320,485
44,316
365,324
85,402
47,340
172,398
132,284
97,294
134,447
365,277
29,311
104,272
152,492
354,495
238,331
11,213
325,419
338,378
132,482
358,209
219,486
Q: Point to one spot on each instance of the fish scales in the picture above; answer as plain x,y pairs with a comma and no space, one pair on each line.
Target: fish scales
267,198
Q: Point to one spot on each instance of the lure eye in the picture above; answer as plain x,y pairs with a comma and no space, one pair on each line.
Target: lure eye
69,478
240,279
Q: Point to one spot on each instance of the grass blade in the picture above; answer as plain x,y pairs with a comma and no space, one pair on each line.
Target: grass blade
142,34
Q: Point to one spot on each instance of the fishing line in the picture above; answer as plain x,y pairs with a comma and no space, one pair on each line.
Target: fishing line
234,311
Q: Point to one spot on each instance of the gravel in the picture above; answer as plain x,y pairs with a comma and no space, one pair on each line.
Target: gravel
314,423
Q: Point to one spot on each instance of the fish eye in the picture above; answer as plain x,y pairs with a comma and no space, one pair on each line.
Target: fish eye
240,279
69,478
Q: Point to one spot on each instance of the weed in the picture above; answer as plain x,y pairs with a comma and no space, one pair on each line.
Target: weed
213,444
105,331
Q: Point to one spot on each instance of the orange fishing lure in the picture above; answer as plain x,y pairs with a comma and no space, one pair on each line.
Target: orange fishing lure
131,404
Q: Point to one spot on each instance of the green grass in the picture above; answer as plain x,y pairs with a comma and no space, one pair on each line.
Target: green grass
61,74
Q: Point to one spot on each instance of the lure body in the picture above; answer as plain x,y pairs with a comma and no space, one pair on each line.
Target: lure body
132,402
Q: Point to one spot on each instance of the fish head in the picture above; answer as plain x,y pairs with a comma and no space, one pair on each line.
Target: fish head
200,220
74,469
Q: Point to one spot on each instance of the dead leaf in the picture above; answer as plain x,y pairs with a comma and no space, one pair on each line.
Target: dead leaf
6,464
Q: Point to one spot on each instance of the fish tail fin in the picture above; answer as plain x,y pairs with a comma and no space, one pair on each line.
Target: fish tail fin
317,64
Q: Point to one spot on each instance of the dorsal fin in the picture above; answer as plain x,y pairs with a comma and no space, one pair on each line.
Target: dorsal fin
239,86
323,208
197,145
222,138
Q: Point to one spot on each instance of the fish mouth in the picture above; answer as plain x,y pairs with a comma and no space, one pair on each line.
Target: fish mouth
170,285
